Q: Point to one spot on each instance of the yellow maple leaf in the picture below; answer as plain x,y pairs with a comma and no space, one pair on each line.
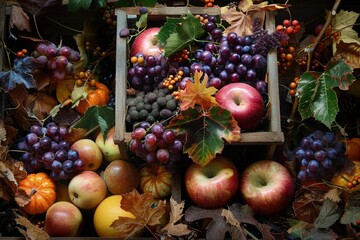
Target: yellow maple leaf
197,92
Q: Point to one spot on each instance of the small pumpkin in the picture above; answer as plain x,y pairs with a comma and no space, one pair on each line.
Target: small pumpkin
156,179
41,190
97,95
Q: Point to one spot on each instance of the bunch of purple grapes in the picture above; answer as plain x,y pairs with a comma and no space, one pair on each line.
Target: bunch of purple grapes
46,150
229,59
156,145
320,156
59,61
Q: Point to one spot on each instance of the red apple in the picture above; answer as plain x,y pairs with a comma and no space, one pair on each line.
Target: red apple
244,102
87,189
63,219
156,179
147,43
89,152
121,177
267,187
213,185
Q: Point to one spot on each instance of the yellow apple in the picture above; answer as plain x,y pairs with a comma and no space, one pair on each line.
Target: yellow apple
89,152
109,149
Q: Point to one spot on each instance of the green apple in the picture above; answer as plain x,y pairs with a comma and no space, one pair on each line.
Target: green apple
109,149
63,219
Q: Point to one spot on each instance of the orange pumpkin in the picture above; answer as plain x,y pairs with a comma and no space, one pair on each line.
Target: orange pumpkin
156,179
98,95
41,190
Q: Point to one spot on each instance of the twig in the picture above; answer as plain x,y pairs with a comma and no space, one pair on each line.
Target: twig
310,52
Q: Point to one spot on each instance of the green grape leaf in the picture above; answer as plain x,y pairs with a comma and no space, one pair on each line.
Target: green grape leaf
317,98
101,3
205,132
166,30
187,31
142,22
19,74
352,209
329,214
103,116
76,5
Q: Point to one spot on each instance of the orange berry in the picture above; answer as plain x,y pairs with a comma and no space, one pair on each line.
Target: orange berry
289,30
295,23
292,92
292,85
291,49
24,51
20,54
140,59
133,59
282,56
279,28
286,23
352,150
289,56
82,75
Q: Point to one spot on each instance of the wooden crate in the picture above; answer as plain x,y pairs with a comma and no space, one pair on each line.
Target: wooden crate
272,137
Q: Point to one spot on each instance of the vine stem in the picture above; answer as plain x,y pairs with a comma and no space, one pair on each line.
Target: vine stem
310,52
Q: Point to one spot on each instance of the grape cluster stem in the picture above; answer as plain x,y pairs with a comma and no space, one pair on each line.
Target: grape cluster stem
311,51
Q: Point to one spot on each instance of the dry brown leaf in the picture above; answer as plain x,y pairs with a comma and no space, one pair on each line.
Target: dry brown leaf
40,105
308,202
29,230
11,134
230,218
244,5
176,213
333,194
142,207
75,134
350,52
19,19
2,132
64,89
240,23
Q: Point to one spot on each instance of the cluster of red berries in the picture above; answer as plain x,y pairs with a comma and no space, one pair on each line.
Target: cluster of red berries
208,3
180,56
293,85
289,27
353,181
22,53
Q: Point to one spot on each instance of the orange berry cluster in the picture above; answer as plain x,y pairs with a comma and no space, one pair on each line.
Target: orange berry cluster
289,27
353,181
22,53
293,86
82,77
95,52
137,59
286,55
180,56
203,19
208,3
171,80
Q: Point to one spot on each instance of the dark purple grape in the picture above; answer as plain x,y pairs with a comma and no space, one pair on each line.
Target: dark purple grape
63,131
48,158
150,157
176,146
300,153
240,41
309,154
329,139
63,175
131,72
209,26
241,69
54,176
206,56
37,129
234,58
316,145
135,145
195,67
304,162
259,62
320,155
31,139
52,50
216,33
157,129
234,77
61,155
248,40
215,82
212,18
232,38
246,59
238,49
140,71
36,148
124,33
306,142
79,164
169,136
261,86
327,163
61,62
143,10
45,142
41,48
68,166
162,155
331,153
51,131
35,164
230,67
302,176
224,76
150,60
224,51
314,166
250,75
211,47
56,166
340,148
74,56
72,155
64,145
65,51
246,49
42,61
26,157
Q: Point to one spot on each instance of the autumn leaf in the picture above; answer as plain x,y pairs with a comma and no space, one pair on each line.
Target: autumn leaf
205,132
145,212
197,92
19,19
29,230
21,73
239,22
308,202
64,89
304,230
352,209
40,104
173,228
347,45
2,132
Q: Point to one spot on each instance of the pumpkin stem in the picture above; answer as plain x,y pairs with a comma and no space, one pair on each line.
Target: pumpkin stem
33,191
